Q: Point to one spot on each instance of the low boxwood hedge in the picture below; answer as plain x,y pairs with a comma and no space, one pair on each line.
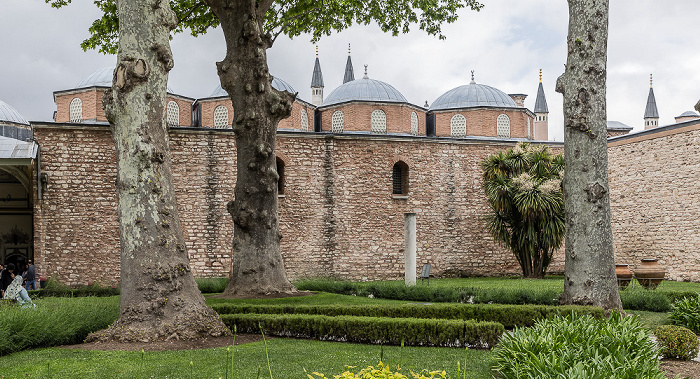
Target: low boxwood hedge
509,316
372,330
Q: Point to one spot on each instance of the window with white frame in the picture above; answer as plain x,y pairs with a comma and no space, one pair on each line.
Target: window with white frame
458,126
414,124
337,122
173,114
378,121
503,126
304,121
76,110
221,117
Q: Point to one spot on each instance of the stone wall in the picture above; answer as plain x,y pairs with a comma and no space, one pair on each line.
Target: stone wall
338,215
654,196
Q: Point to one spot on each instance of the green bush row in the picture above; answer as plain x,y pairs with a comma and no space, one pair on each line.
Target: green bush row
372,330
54,322
509,316
55,289
212,285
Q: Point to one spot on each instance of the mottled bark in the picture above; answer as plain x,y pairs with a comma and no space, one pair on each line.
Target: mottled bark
257,262
159,297
590,266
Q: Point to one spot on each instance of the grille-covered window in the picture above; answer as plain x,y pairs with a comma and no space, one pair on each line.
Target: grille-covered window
414,124
399,179
337,122
304,121
173,114
503,126
221,117
378,121
76,110
458,126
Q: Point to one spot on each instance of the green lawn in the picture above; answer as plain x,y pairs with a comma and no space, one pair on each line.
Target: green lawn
288,359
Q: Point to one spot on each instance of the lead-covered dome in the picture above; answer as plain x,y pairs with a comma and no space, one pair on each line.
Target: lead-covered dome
365,90
10,114
277,84
101,78
473,95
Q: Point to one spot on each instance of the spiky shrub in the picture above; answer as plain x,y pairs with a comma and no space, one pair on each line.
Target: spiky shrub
686,312
523,188
579,347
677,342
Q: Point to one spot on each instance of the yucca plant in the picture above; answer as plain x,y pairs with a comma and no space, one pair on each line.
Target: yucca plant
523,187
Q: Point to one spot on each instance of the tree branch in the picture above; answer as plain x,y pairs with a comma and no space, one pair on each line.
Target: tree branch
263,6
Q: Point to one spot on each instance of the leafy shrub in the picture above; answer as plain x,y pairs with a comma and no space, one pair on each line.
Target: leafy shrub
686,312
645,300
579,347
382,372
508,315
56,289
54,322
415,332
212,285
677,342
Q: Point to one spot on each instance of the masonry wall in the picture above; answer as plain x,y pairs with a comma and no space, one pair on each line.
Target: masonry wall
482,122
654,197
357,117
338,216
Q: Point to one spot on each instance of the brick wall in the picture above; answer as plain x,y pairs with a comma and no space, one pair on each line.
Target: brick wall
482,122
92,104
338,216
654,197
357,117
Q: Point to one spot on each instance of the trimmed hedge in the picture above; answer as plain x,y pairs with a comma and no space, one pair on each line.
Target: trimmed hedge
56,289
372,330
509,316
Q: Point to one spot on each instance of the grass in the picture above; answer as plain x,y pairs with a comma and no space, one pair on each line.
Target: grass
322,298
288,359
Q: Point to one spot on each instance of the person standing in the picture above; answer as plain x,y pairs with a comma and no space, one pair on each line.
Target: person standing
31,276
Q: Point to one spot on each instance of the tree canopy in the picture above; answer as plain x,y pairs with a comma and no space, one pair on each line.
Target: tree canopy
293,18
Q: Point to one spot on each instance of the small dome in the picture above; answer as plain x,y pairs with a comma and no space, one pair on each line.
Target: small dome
277,84
101,78
473,95
365,90
10,114
689,114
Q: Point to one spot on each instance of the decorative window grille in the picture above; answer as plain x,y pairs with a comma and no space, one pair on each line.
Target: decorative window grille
337,122
173,114
399,179
503,126
458,126
221,117
414,124
76,110
378,121
304,121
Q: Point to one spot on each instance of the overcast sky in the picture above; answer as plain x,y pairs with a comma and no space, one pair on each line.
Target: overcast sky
505,44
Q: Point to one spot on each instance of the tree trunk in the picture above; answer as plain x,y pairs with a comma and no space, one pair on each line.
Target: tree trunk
590,265
258,269
159,297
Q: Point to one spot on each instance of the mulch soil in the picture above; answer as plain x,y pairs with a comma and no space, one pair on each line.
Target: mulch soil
685,369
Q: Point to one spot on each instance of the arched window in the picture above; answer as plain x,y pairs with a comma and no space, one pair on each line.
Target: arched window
280,172
221,117
76,110
399,179
458,126
378,121
304,121
414,124
503,126
337,122
173,114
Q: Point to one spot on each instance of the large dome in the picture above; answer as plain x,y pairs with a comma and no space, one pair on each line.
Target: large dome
10,114
101,78
473,95
365,90
277,84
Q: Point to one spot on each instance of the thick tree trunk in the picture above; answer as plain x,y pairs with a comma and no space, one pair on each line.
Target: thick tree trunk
159,297
257,262
590,265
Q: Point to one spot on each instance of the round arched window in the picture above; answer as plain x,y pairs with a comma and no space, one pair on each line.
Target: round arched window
173,114
76,110
378,121
503,126
458,126
337,122
221,117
